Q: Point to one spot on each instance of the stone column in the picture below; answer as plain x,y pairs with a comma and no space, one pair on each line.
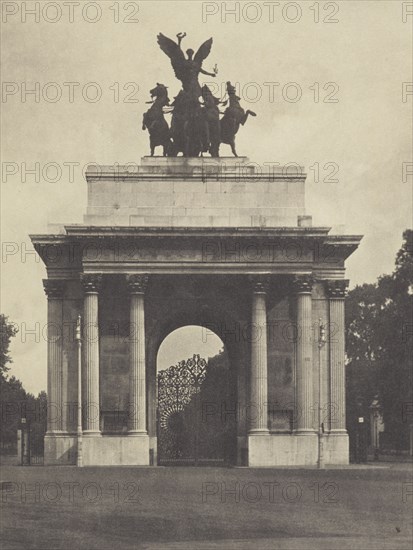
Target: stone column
304,355
259,382
54,290
90,379
336,292
137,363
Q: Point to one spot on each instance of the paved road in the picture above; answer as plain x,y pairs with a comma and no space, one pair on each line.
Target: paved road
65,508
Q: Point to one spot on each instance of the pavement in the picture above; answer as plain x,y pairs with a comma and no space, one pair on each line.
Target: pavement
61,508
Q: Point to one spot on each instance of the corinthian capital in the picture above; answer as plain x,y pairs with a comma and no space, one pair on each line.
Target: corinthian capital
337,288
91,282
303,284
54,288
260,283
137,283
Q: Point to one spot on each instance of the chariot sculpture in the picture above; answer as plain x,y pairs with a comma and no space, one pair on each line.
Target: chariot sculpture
196,127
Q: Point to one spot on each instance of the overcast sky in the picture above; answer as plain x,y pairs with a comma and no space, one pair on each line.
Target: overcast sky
337,99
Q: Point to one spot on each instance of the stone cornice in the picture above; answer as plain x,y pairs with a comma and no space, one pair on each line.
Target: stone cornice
131,231
196,169
311,249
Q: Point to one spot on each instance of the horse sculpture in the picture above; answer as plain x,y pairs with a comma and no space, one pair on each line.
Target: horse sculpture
154,120
234,115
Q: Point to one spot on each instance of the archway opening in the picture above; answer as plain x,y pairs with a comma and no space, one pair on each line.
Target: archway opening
195,392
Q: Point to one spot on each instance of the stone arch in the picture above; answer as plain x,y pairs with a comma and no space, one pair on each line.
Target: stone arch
195,422
223,325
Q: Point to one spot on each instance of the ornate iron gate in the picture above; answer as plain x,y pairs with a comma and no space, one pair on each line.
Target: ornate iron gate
179,412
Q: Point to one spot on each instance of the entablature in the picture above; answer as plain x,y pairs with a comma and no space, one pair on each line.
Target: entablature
286,250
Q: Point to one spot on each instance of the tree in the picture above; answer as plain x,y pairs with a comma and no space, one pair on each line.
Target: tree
8,331
362,371
16,403
395,344
379,346
13,398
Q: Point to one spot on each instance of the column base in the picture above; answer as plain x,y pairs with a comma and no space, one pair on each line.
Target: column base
305,431
259,431
55,433
91,433
137,433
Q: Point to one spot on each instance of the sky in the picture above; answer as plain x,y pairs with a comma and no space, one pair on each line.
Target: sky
184,342
341,107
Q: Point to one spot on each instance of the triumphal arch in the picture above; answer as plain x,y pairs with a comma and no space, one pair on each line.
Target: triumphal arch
214,242
217,242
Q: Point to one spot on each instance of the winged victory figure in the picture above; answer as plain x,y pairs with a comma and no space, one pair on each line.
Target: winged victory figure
186,69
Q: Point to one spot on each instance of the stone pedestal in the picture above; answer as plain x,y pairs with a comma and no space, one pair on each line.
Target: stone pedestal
116,450
60,449
283,450
196,192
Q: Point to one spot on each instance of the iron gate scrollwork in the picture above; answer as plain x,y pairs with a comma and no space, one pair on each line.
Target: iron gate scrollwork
178,412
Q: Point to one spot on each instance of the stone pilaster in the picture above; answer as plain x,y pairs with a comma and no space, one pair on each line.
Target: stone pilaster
90,383
54,290
304,355
137,362
259,376
336,292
